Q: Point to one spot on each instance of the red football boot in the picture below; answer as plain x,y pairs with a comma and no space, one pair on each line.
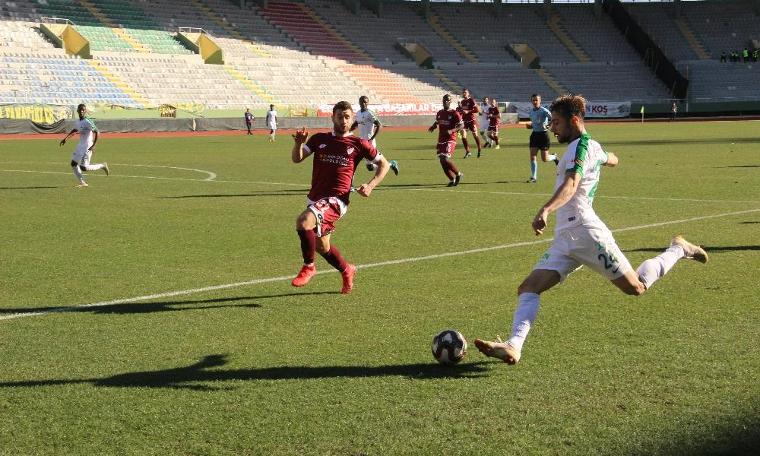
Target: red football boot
305,275
348,279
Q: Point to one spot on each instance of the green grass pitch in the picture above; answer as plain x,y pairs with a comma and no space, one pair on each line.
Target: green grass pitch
256,367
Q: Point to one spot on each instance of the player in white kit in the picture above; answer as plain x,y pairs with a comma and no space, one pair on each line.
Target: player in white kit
88,136
271,122
369,127
484,122
581,238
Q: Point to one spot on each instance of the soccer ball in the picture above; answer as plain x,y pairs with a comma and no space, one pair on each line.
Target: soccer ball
449,347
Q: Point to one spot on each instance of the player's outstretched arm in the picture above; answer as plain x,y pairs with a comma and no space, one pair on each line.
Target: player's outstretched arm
612,160
561,196
299,139
433,127
63,141
382,169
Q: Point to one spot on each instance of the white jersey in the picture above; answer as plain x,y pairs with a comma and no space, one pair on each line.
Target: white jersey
366,122
85,127
484,115
585,157
272,119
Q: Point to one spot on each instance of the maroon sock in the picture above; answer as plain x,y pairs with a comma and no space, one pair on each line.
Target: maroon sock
308,245
453,168
446,170
335,259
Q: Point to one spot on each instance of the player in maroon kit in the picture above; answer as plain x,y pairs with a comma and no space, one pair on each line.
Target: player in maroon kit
469,109
336,156
494,119
449,123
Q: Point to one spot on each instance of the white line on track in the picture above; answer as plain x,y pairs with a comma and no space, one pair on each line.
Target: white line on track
363,266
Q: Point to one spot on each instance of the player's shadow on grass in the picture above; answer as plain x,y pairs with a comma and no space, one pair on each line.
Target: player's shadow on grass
241,195
196,376
26,188
164,306
708,249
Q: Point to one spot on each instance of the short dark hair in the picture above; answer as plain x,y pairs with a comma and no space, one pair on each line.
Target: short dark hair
342,106
568,106
364,98
80,106
535,95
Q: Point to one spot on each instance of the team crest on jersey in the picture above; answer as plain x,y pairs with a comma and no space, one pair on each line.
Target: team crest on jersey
322,146
350,150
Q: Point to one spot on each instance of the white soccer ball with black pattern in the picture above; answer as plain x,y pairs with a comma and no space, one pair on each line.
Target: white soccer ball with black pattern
449,347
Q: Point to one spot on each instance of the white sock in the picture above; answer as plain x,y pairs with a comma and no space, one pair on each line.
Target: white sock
653,269
94,167
527,309
551,157
78,173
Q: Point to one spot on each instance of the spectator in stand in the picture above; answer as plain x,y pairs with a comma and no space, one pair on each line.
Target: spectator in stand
723,57
745,55
755,55
734,56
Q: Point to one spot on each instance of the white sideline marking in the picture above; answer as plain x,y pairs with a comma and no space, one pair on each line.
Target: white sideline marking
645,198
211,175
363,266
305,187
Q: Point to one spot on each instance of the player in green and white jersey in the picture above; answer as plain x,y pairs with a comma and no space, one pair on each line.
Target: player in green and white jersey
581,238
369,127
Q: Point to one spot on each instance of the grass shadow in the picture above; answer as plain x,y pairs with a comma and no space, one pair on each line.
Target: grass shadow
137,307
197,375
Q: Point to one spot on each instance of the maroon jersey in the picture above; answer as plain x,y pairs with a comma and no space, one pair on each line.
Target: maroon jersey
468,104
447,120
335,161
494,116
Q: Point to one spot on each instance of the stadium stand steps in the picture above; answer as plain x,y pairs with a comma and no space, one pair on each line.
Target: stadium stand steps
549,79
249,84
118,82
554,21
234,32
121,33
692,39
443,32
450,83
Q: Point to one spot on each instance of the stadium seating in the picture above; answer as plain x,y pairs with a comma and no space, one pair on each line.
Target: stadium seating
55,79
711,80
659,24
317,52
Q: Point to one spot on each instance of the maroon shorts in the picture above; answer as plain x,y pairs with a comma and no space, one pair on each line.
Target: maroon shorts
493,129
328,211
446,149
471,125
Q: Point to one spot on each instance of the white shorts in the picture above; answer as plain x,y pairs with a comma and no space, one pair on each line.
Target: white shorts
590,245
272,126
82,155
